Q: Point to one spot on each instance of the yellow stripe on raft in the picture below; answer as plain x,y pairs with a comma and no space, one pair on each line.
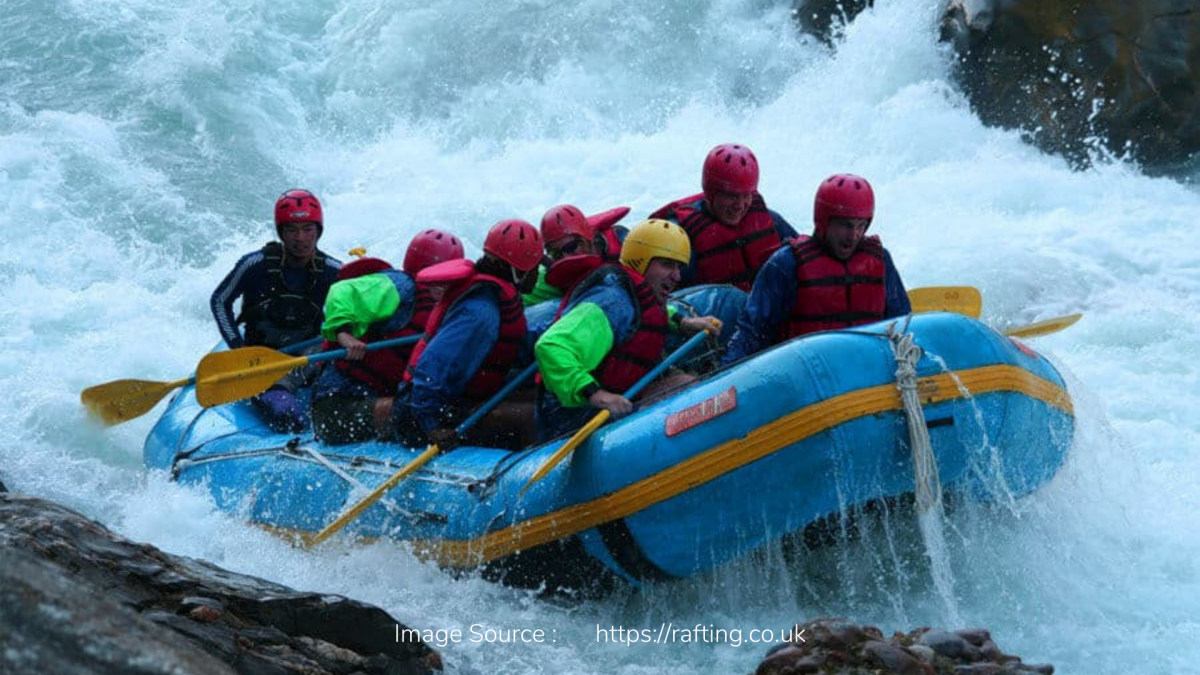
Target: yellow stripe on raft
733,455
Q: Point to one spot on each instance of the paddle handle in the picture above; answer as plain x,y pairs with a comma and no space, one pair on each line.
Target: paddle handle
667,363
595,423
495,399
370,499
372,346
420,461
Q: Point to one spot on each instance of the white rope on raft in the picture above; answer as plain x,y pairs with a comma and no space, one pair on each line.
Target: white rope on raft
925,472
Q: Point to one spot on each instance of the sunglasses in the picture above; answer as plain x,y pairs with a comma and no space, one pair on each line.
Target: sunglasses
567,249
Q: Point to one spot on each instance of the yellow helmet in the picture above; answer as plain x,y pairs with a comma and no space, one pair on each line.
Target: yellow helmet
652,239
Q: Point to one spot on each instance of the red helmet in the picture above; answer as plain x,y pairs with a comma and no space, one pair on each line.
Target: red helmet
298,206
430,248
565,220
843,195
730,168
516,242
361,267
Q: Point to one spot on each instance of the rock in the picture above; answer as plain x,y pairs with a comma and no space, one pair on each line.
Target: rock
976,636
893,658
991,652
950,645
779,661
979,669
926,654
832,633
836,646
1084,75
1079,78
2,487
824,18
74,597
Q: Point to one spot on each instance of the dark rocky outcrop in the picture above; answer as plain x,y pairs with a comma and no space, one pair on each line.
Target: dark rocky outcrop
823,18
839,647
75,598
1083,75
1078,77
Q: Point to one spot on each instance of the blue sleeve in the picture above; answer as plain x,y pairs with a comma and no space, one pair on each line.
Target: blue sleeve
767,306
896,301
237,284
782,227
453,356
613,299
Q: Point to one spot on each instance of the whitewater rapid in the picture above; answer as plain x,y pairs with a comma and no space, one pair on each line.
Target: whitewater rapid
142,145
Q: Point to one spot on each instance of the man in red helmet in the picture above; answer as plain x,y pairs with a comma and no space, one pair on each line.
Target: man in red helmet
474,337
352,401
282,288
566,232
837,278
613,327
731,229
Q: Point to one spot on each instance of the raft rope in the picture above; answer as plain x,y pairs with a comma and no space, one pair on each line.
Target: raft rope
294,448
925,472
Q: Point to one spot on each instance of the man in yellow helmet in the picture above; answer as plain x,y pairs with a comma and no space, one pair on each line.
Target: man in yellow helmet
612,326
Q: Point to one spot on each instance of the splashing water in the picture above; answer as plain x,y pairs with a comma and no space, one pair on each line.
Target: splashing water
142,145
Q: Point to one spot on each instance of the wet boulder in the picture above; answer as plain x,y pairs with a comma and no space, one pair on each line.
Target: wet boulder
1079,78
833,646
74,597
1085,77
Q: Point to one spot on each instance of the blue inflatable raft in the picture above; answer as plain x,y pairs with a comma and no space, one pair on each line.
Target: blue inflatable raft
753,453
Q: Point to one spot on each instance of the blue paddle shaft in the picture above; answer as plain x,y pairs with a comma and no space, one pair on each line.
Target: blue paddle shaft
341,353
491,402
667,363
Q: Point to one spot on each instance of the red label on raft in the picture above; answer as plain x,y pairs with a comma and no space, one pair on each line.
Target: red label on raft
702,412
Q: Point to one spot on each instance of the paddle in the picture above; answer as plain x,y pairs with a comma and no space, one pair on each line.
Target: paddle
967,300
420,461
586,430
1043,327
122,400
958,299
224,377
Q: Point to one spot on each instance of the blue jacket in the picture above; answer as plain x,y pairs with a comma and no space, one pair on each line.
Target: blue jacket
457,351
249,281
774,293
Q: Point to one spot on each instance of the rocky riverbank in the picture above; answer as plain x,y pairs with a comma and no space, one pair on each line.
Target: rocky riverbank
76,598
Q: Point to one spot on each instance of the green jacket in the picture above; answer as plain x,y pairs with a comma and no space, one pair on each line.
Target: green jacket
356,304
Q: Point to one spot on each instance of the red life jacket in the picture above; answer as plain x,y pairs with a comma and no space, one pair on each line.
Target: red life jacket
833,294
724,254
627,362
383,369
461,277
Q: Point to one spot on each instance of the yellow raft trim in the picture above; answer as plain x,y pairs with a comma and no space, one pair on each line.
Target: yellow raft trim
733,455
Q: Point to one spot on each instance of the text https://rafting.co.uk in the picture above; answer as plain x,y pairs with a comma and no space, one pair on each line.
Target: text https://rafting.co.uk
666,633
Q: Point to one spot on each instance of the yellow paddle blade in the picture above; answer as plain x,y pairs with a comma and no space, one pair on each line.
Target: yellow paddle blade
1043,327
958,299
223,377
376,494
122,400
580,436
